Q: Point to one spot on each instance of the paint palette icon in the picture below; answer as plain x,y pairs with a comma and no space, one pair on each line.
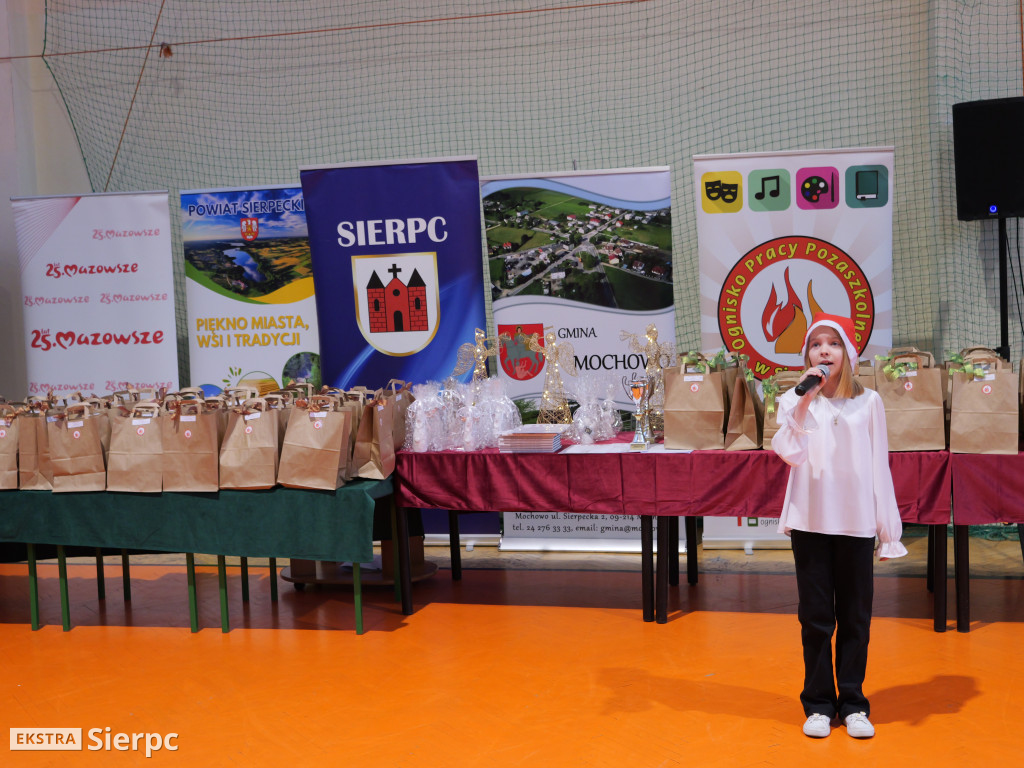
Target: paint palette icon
814,188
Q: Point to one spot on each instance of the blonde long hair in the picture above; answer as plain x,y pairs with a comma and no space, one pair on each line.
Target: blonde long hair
848,387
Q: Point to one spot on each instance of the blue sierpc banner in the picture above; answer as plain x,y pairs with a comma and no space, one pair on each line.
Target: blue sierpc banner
397,267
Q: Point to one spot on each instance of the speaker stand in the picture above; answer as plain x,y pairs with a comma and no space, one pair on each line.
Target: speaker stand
1004,310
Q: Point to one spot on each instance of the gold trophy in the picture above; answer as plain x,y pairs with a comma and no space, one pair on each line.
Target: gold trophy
638,391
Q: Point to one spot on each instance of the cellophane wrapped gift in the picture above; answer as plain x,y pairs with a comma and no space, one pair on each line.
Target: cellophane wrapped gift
423,417
595,419
485,413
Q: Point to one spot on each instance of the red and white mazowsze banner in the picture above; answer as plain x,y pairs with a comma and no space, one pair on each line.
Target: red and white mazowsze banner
97,292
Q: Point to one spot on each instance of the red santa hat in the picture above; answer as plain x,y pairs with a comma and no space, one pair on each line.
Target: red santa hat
841,325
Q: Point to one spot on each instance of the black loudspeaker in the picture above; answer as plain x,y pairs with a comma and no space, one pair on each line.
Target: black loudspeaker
988,152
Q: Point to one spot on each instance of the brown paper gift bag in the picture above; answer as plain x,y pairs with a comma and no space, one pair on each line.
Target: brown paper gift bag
248,456
35,473
374,452
316,446
984,409
136,455
355,403
695,416
401,393
914,410
779,383
745,426
76,454
8,447
188,434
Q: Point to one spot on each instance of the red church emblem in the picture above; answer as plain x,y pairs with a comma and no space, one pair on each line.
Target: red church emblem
250,229
397,300
397,307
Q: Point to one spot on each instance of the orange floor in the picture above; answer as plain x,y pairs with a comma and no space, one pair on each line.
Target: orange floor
506,668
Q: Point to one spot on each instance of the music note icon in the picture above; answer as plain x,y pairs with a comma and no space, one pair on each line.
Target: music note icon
771,192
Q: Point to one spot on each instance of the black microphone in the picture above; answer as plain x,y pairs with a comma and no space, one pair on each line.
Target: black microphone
813,380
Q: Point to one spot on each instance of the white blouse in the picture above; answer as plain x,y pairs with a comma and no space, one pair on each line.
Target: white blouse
839,481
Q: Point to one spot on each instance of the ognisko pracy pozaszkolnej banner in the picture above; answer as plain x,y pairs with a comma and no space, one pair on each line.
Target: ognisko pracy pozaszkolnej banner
782,236
249,286
97,292
397,264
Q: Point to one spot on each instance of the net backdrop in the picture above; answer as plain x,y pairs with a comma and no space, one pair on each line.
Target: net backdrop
252,90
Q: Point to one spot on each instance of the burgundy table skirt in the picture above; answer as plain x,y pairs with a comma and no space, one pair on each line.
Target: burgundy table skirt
708,483
988,488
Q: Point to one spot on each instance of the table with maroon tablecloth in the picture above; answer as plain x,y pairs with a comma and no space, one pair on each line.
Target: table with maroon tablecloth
668,483
987,489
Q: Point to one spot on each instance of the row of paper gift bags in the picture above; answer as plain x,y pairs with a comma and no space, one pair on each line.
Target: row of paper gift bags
969,404
198,445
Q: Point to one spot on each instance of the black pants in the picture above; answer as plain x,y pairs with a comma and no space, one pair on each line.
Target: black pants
834,578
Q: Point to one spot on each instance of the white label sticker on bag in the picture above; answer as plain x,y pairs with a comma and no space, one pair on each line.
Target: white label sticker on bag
908,373
318,414
52,418
989,377
137,422
253,415
188,418
693,377
380,407
73,424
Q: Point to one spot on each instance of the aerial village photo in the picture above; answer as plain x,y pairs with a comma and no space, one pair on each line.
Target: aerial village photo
543,242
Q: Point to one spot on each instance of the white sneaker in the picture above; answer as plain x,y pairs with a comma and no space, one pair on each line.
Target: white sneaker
818,726
858,726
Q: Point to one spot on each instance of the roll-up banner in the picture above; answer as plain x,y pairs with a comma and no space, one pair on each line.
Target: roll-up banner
249,286
588,256
97,292
782,236
396,251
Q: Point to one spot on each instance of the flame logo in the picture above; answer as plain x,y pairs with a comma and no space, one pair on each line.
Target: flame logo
785,322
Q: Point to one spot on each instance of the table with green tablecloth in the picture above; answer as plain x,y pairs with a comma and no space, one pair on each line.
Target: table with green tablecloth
279,522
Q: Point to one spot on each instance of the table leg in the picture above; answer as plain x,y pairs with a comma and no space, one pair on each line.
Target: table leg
691,550
454,546
193,610
404,565
273,579
673,563
244,562
929,580
33,586
62,570
962,566
661,573
647,566
937,557
357,597
396,560
101,587
222,581
126,579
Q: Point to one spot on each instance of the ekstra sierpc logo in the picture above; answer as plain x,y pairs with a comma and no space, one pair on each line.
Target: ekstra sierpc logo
96,740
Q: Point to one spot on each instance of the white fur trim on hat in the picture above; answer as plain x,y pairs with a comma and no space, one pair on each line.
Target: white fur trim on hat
851,350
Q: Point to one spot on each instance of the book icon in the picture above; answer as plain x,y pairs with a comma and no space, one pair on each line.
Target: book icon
866,185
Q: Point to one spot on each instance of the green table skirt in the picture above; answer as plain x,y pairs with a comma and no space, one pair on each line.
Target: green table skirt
280,522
